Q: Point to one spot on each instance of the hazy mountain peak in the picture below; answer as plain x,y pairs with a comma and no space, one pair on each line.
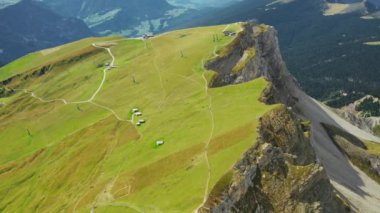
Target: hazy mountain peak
37,28
202,3
6,3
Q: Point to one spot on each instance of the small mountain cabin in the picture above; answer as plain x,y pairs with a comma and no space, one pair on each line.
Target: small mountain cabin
160,143
229,33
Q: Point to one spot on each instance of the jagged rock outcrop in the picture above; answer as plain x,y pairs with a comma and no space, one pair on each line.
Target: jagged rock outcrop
267,62
279,174
274,176
355,149
6,92
361,114
365,123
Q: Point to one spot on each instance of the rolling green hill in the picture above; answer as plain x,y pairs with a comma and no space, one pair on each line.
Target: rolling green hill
69,137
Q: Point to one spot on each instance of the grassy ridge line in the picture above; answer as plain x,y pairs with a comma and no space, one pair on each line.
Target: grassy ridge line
91,99
207,144
39,59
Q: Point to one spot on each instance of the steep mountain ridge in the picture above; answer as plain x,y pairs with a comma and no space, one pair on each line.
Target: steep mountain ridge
327,54
346,178
279,174
267,62
218,140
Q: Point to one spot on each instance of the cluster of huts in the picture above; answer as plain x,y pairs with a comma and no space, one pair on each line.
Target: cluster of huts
138,113
148,35
229,33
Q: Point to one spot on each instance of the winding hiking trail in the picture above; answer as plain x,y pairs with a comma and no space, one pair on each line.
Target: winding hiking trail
206,86
112,64
228,26
159,73
92,98
207,144
91,101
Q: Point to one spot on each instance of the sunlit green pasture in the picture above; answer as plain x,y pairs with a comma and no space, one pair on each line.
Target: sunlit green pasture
79,157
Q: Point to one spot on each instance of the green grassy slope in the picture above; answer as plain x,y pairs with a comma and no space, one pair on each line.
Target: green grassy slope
373,148
78,157
38,59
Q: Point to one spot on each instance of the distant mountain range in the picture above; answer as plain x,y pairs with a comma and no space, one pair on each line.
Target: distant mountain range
28,26
202,3
132,17
47,23
69,20
125,17
6,3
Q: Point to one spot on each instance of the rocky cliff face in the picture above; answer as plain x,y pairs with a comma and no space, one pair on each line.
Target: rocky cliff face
363,113
279,174
356,150
364,123
266,62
